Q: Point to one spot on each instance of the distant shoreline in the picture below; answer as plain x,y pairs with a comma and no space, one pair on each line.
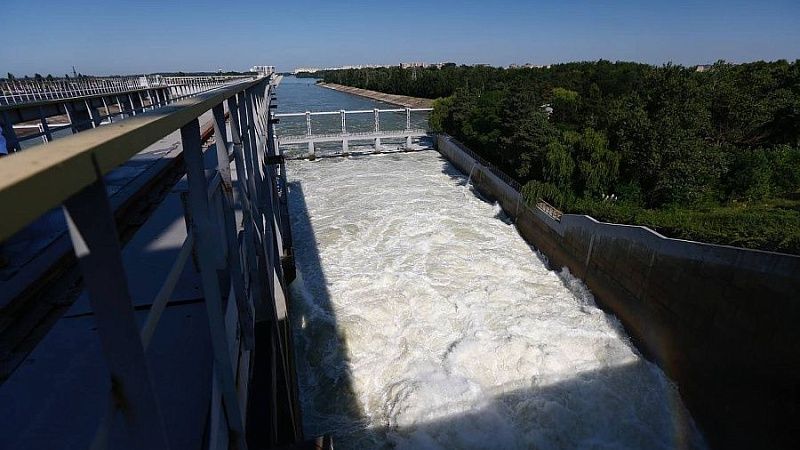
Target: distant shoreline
402,100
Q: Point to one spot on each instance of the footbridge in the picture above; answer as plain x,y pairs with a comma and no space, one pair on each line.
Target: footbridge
179,339
345,136
16,91
39,110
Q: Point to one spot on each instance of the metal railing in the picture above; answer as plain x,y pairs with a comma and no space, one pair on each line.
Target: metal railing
376,134
492,168
248,258
332,137
16,91
210,79
541,204
343,114
549,209
45,129
98,107
27,90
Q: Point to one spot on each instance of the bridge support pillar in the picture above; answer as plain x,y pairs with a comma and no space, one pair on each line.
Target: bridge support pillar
408,142
132,105
311,151
8,131
106,109
377,143
345,145
79,119
94,115
48,136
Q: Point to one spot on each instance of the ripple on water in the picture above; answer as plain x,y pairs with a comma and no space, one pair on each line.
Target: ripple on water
430,323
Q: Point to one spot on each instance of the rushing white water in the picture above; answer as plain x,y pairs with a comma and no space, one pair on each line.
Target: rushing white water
423,320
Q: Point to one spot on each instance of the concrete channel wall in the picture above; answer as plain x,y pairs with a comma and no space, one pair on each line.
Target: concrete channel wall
721,321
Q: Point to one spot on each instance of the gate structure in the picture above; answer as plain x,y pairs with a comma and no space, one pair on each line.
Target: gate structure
375,135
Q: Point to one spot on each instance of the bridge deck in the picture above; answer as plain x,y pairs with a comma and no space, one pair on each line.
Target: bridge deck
32,252
69,362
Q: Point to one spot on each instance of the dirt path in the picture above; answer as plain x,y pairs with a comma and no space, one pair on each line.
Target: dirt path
402,100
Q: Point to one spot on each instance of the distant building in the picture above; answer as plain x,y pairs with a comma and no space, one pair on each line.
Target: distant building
703,68
413,65
306,70
360,66
264,71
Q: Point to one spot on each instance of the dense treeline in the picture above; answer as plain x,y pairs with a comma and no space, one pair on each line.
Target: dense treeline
712,155
307,74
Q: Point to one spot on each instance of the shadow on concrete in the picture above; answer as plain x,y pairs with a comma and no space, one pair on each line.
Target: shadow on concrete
324,376
59,394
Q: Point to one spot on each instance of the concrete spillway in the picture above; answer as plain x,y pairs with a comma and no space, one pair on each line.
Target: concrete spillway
423,320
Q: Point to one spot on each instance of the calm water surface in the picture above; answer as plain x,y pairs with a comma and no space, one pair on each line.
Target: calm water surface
302,94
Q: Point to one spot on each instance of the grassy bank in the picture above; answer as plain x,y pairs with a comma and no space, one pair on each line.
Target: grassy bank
772,225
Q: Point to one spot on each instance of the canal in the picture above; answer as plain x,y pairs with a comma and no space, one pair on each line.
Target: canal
423,320
297,95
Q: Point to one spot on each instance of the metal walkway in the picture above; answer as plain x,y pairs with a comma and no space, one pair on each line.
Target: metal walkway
182,339
41,110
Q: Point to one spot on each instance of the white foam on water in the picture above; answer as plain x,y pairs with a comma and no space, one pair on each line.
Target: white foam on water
423,320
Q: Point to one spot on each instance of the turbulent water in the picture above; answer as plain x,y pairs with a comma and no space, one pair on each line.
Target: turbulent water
423,320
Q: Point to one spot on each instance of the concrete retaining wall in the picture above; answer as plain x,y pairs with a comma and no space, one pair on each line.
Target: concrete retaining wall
721,321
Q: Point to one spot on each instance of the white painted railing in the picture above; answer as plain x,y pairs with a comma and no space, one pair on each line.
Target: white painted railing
71,173
18,91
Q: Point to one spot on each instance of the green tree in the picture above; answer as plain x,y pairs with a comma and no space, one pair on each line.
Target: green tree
565,104
663,139
439,117
597,164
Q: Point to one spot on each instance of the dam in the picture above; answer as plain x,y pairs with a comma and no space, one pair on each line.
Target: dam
280,290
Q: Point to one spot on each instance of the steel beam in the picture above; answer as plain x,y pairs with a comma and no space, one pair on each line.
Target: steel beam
90,220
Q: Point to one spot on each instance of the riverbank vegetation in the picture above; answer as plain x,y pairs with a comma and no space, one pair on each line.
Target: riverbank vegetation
708,155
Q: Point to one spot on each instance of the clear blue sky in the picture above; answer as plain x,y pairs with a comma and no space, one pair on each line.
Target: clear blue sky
130,36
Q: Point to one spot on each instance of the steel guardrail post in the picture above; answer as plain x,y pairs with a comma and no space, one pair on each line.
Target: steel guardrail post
246,319
251,238
204,235
8,131
94,237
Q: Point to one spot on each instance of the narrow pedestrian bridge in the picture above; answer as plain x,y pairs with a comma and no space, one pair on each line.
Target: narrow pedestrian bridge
345,136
